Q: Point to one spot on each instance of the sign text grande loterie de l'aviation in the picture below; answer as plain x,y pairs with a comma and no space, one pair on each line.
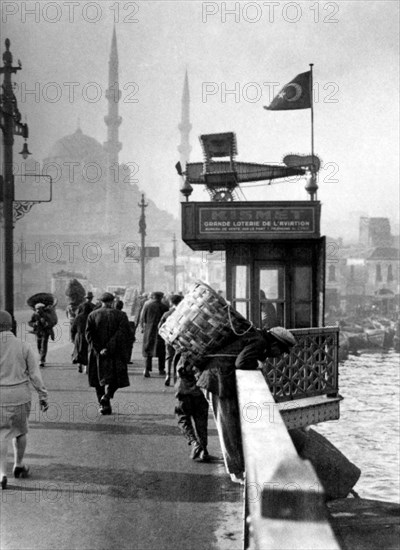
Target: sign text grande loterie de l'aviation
255,220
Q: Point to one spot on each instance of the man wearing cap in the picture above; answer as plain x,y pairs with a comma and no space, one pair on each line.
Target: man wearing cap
108,336
218,379
43,330
87,304
18,368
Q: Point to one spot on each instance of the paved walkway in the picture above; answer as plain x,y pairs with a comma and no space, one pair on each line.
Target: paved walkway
115,482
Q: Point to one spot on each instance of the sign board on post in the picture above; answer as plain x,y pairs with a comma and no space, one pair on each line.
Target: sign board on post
133,252
170,269
152,252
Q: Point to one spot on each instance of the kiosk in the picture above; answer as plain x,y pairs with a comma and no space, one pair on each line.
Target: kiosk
275,257
275,269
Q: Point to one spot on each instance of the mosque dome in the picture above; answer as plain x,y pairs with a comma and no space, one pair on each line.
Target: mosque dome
77,146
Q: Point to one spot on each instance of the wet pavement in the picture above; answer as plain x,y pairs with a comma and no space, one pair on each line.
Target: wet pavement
120,481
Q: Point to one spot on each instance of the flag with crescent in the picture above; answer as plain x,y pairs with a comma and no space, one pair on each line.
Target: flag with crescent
294,95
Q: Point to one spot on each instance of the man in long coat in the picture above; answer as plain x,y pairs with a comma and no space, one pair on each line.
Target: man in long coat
153,344
108,336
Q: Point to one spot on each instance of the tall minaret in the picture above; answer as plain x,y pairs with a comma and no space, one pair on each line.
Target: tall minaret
185,126
113,95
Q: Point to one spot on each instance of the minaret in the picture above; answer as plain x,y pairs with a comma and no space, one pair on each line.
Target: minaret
113,95
185,126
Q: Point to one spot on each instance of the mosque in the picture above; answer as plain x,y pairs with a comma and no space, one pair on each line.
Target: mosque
90,228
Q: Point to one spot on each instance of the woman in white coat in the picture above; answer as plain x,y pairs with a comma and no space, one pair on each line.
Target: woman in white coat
18,368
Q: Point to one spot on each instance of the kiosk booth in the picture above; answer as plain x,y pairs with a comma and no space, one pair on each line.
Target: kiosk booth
275,257
275,270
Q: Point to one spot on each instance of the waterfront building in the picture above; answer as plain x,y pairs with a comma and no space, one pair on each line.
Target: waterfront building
364,275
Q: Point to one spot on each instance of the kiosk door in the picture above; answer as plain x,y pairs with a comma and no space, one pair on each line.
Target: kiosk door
270,283
278,283
285,295
275,293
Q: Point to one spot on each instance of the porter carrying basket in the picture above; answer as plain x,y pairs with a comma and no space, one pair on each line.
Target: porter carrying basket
202,322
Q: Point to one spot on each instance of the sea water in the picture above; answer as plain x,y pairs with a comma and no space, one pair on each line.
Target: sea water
368,429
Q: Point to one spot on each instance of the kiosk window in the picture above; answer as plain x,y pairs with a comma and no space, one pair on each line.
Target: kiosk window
302,297
241,297
272,297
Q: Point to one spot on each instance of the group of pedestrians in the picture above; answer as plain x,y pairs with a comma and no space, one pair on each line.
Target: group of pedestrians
103,342
153,314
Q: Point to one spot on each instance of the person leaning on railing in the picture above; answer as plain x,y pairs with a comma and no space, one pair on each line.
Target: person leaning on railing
217,379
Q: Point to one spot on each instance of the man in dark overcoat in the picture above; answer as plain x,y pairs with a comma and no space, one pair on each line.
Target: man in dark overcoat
153,344
108,336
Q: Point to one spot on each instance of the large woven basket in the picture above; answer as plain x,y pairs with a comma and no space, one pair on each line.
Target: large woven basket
202,322
42,298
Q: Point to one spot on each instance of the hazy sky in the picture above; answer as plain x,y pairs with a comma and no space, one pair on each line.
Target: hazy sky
246,47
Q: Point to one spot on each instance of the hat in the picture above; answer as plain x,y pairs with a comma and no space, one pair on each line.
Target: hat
158,294
5,321
284,336
89,294
106,297
39,305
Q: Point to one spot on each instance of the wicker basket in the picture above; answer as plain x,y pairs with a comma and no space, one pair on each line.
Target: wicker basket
202,322
42,298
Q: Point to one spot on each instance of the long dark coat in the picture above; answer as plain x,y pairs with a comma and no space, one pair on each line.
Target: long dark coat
108,328
153,344
78,328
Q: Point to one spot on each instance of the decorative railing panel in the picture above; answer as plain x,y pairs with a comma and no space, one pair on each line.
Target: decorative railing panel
310,369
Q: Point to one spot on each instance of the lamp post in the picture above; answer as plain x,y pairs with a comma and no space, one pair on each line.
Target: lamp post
10,123
174,260
142,231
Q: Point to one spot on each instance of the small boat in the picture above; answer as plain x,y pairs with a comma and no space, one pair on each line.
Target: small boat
375,333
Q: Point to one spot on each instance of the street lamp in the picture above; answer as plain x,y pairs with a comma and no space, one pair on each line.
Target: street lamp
10,123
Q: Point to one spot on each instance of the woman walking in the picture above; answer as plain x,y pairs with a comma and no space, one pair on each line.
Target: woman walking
18,368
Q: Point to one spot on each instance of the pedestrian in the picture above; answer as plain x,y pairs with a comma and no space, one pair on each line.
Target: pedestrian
43,329
18,368
132,328
153,344
78,333
88,301
108,336
218,380
71,313
192,408
143,299
174,300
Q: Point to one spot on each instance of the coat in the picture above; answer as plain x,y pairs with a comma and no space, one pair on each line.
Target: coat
153,344
218,370
80,353
108,328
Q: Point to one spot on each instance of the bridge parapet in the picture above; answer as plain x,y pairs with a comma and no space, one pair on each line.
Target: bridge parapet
305,382
284,499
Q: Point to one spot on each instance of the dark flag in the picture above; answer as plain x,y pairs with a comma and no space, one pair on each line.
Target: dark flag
294,95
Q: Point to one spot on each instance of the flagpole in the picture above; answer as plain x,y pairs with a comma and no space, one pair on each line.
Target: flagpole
312,108
312,184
